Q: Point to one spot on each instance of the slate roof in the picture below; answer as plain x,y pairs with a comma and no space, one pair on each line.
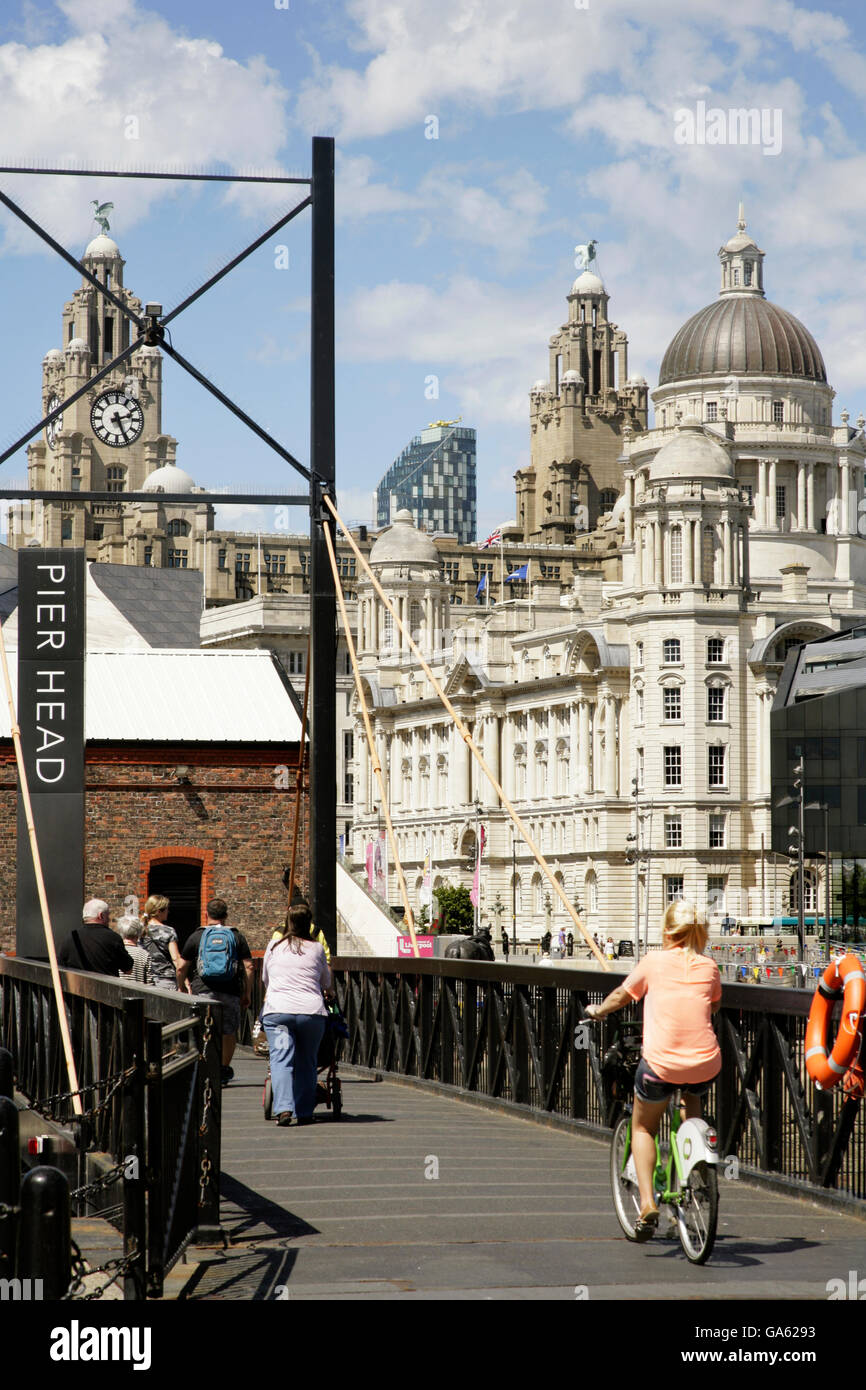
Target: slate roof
164,605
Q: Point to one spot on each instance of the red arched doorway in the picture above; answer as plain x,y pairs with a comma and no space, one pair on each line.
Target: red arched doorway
184,876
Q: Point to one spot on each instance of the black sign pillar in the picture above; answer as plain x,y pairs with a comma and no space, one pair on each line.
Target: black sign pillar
51,718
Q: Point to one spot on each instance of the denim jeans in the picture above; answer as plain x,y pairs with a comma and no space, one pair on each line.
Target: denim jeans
294,1041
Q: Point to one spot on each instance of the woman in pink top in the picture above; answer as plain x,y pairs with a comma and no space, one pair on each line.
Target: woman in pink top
682,989
295,974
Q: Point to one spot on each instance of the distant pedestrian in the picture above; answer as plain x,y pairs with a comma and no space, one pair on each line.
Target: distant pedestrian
545,943
609,949
562,941
233,989
505,944
130,930
160,942
569,943
95,946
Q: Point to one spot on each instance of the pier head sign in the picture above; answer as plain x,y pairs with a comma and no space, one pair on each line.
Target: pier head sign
51,718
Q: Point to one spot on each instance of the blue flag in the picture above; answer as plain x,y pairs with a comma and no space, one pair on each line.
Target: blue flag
482,586
522,573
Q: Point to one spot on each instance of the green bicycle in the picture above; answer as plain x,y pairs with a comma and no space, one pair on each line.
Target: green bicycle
685,1178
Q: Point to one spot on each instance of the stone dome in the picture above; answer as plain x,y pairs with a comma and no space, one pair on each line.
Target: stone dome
588,283
169,478
404,544
77,345
102,245
538,386
742,335
573,377
53,355
692,453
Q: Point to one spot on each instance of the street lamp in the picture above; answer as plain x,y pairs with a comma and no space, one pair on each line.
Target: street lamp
632,856
477,804
825,807
795,853
514,896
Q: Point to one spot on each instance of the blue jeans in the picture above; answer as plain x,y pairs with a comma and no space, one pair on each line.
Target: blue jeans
294,1041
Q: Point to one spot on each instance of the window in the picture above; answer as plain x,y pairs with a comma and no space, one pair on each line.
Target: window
242,561
148,555
748,492
639,769
715,650
638,706
716,772
747,273
608,499
176,527
297,663
712,410
718,834
716,886
177,559
275,564
221,560
778,412
736,276
673,763
116,478
348,788
673,704
671,650
452,571
781,502
676,556
638,653
673,832
66,528
715,704
109,337
674,885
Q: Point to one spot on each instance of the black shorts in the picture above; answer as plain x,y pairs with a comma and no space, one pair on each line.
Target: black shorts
651,1088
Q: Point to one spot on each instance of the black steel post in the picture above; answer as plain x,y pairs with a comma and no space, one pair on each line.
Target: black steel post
44,1232
152,1176
133,1150
323,604
10,1183
828,894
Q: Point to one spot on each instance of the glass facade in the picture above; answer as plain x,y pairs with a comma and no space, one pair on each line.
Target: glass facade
434,478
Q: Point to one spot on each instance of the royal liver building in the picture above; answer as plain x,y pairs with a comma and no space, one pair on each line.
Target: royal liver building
641,696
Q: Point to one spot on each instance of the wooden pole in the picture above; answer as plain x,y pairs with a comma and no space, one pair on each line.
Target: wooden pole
467,739
40,884
368,728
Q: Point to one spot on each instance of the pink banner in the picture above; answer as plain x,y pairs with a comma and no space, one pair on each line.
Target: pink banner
404,945
368,860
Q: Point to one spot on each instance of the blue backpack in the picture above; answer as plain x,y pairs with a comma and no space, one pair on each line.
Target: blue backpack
217,956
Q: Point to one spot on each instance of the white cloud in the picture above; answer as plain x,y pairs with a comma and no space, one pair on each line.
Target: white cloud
125,89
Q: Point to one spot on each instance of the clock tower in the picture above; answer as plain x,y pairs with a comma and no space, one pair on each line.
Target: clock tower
110,440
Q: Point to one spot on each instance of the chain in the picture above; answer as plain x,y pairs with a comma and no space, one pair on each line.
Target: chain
206,1170
99,1184
115,1081
208,1096
207,1031
6,1210
114,1267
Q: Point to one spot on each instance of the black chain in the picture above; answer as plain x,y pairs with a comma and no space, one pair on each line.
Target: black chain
99,1184
114,1267
116,1080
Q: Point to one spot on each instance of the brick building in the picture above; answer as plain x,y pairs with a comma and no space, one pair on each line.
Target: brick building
191,763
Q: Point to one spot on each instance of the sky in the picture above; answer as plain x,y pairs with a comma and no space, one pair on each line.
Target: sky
477,143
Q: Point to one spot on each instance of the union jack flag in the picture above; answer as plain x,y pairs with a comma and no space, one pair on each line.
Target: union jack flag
493,539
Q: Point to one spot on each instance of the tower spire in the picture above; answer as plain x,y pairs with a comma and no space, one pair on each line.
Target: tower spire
741,219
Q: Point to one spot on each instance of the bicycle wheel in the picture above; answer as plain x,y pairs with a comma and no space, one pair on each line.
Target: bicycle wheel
698,1212
626,1198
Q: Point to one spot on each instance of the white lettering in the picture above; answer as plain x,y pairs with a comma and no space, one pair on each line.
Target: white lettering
45,612
75,1343
51,688
50,635
49,739
50,762
50,706
57,573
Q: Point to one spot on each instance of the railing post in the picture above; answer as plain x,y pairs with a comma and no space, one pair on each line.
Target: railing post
208,1128
520,1011
132,1150
446,1032
771,1077
7,1074
153,1161
10,1183
44,1233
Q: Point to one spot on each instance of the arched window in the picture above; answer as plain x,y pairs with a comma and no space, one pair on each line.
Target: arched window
810,892
608,499
537,896
178,528
591,891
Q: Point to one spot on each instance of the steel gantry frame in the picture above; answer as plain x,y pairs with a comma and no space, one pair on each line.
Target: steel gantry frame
320,476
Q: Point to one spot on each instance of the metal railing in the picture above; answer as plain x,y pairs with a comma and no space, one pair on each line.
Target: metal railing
148,1064
502,1032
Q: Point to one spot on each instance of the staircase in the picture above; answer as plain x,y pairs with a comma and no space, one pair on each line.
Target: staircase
364,920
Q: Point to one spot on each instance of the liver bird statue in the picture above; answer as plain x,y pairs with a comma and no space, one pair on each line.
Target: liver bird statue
100,214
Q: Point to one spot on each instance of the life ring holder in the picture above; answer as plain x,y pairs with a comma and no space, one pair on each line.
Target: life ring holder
843,978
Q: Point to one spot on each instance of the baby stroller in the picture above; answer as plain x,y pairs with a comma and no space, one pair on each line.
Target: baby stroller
329,1089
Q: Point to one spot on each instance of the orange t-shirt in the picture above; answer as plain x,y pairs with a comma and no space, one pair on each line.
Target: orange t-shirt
678,1039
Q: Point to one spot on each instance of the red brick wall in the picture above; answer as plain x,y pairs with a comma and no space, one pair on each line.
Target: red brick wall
235,816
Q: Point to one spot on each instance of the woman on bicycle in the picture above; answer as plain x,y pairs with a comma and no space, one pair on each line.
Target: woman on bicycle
683,990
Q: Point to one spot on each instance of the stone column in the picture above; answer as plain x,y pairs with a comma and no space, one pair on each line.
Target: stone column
395,770
810,496
573,749
845,488
638,558
727,563
699,554
772,520
609,746
761,500
507,777
490,749
801,495
583,746
688,553
531,779
658,568
363,769
628,538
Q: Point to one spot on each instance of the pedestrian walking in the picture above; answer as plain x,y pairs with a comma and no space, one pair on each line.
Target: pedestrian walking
160,942
130,930
505,944
219,966
95,946
296,977
569,943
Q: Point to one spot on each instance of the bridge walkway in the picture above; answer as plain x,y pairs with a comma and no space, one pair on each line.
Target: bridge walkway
519,1210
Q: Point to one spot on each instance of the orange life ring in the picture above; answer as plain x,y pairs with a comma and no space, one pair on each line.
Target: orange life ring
843,975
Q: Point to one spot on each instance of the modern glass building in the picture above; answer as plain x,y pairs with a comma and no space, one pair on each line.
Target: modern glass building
434,478
819,715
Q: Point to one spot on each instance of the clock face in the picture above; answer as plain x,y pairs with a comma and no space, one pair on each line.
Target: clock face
117,419
52,430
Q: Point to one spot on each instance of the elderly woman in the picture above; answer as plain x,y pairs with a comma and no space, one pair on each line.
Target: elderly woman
295,975
160,942
130,929
683,989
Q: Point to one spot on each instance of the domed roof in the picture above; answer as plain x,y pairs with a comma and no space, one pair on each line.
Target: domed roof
691,454
102,245
539,385
588,283
77,345
574,376
742,334
169,478
403,543
53,355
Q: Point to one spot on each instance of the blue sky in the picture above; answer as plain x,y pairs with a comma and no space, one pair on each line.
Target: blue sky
454,255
